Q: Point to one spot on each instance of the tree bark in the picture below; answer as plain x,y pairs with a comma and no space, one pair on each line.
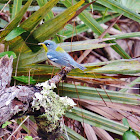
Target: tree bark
16,101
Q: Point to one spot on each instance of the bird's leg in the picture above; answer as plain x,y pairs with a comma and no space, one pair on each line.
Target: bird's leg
63,68
52,72
62,72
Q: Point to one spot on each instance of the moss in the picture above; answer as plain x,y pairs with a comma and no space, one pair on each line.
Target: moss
54,106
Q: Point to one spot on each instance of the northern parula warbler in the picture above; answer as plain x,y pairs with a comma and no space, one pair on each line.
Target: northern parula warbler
58,56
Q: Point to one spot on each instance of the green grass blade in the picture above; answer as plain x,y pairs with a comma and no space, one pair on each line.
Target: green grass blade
117,7
131,66
3,23
90,93
47,29
49,15
136,81
86,17
14,33
73,135
83,27
36,17
125,35
15,21
82,45
16,7
96,120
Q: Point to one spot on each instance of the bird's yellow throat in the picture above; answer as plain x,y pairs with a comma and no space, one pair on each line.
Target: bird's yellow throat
45,47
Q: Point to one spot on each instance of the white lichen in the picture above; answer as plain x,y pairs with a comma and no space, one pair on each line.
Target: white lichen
67,101
54,105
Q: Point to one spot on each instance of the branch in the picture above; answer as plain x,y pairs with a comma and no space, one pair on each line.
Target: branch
57,78
39,100
5,72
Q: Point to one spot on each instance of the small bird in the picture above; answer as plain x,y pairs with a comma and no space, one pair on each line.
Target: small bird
58,56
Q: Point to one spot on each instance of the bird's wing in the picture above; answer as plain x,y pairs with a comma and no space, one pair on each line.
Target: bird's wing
61,58
59,49
65,55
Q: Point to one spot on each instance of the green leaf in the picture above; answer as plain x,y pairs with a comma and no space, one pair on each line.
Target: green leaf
30,58
25,79
137,133
131,84
99,7
16,7
131,4
73,135
6,123
129,135
15,21
90,93
119,67
14,33
3,23
46,30
24,127
46,71
118,7
36,17
49,15
9,53
28,138
125,122
97,29
29,25
125,35
82,45
91,118
87,18
82,27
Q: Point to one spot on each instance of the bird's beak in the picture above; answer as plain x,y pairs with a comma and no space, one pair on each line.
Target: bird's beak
40,43
44,46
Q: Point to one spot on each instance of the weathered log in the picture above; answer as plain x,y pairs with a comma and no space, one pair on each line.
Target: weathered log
16,101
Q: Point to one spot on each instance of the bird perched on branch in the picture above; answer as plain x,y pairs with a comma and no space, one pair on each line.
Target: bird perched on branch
58,56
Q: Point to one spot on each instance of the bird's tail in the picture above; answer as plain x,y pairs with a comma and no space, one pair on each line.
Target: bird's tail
80,67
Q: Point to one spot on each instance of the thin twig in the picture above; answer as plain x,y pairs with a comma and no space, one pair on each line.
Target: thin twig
18,128
86,52
16,68
65,128
5,6
106,31
83,56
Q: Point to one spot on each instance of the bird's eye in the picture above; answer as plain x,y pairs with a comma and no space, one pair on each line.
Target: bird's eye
48,44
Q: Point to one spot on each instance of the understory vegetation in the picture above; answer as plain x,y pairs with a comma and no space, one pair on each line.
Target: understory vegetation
104,37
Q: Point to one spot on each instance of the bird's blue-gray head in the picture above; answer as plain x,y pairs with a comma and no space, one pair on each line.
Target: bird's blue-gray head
49,44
